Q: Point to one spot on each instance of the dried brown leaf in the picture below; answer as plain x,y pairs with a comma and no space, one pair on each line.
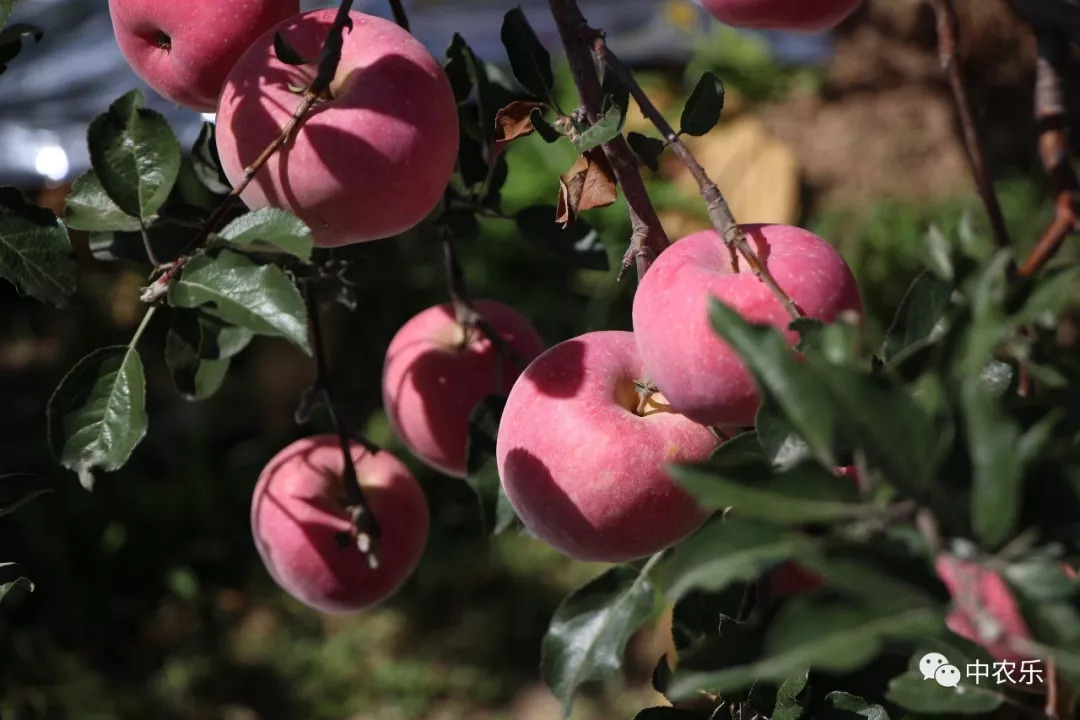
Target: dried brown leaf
512,122
589,184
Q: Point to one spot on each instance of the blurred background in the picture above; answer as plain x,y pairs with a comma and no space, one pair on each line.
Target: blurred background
151,601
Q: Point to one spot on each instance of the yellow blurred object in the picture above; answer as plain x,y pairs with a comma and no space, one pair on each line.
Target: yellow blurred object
757,172
681,14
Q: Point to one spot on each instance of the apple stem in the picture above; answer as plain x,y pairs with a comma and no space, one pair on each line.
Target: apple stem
648,238
948,30
365,528
720,214
1054,151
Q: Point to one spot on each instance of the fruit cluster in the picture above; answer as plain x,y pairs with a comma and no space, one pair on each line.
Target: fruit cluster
589,425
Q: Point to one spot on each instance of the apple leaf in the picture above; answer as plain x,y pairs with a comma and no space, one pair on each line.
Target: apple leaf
11,38
273,227
850,705
239,291
98,413
997,472
703,108
169,242
543,128
457,68
20,488
35,251
647,149
11,577
786,705
529,59
135,154
667,713
923,307
206,163
725,551
482,475
287,54
6,6
89,207
579,243
588,634
606,128
198,349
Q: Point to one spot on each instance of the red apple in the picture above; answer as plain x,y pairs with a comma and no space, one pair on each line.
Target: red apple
700,375
984,609
432,380
790,579
185,48
299,521
584,466
796,15
369,163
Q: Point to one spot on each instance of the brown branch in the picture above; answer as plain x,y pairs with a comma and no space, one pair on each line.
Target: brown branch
365,528
324,75
398,11
948,30
1054,149
648,238
719,212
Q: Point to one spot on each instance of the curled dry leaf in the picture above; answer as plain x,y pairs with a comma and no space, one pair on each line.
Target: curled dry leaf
512,122
590,183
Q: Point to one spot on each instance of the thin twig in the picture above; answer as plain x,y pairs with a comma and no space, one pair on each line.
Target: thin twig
948,29
648,238
365,527
151,256
1054,150
398,11
719,212
329,59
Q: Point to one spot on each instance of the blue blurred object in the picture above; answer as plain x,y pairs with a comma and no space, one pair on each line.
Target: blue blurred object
52,91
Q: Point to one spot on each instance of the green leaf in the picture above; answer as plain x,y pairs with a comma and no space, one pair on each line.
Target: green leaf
647,149
482,475
703,109
783,448
725,551
287,54
98,413
18,489
849,704
738,475
11,577
923,307
89,207
271,226
579,243
206,163
543,128
590,629
169,242
135,154
198,349
457,68
1053,294
6,7
11,41
912,692
529,59
796,392
607,128
241,292
938,254
993,438
35,251
787,704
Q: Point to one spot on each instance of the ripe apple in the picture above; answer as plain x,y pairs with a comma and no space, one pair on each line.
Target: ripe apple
984,609
185,48
582,460
699,374
432,378
795,15
369,163
300,524
791,578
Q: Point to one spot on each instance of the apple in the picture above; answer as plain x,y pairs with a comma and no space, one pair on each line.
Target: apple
699,374
796,15
791,578
368,163
300,524
582,459
984,609
185,48
433,378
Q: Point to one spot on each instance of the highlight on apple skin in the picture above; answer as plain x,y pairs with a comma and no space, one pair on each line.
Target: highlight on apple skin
583,462
371,162
300,525
700,375
183,49
807,16
432,380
